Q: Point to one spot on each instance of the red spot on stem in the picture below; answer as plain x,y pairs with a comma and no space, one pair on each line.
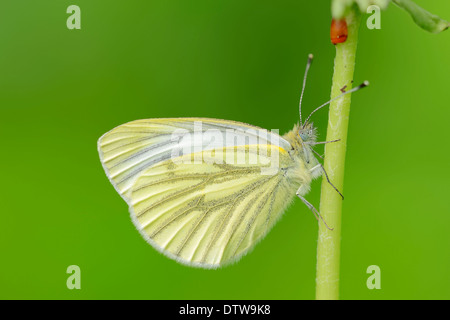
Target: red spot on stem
338,31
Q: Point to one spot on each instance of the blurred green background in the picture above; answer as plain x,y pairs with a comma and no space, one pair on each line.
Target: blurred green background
61,89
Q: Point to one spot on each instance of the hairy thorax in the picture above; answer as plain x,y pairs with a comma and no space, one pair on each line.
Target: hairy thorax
305,166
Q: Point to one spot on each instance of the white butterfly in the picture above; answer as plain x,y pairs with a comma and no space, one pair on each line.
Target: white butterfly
205,191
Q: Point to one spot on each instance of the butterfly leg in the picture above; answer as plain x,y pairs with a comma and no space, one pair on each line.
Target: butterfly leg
317,154
306,152
326,176
313,143
314,210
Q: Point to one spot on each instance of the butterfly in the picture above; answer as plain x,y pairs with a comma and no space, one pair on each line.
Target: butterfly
205,191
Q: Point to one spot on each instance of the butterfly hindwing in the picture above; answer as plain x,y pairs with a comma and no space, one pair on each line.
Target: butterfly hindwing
207,214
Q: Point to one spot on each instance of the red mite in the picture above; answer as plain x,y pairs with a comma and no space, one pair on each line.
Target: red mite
338,31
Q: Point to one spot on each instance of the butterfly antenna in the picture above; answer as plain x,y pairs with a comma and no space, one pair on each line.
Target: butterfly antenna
362,85
308,65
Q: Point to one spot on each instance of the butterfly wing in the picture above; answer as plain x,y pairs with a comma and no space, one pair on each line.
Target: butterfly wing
129,149
201,208
207,214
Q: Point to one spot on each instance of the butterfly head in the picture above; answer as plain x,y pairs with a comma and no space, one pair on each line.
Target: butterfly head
308,133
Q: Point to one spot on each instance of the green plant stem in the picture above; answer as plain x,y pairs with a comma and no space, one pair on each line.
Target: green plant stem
328,248
423,18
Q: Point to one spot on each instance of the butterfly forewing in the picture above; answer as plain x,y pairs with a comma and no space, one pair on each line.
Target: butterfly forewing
129,149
